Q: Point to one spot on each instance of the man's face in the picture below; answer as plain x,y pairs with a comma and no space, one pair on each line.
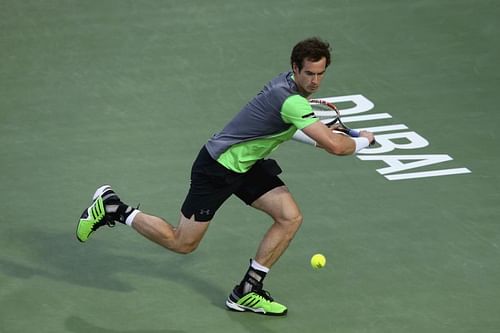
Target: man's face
309,78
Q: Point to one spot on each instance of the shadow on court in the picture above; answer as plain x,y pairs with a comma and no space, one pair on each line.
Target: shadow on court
252,322
78,325
59,256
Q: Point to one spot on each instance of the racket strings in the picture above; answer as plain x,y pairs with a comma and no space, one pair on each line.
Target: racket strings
336,123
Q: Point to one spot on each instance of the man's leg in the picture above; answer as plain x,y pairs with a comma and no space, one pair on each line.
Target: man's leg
185,238
280,205
107,208
249,294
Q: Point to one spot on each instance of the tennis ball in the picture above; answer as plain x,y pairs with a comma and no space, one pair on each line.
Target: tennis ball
318,261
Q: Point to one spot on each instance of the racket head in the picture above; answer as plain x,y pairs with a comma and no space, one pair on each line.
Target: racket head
322,107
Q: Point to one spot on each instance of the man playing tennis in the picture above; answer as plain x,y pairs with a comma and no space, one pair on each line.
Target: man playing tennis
233,162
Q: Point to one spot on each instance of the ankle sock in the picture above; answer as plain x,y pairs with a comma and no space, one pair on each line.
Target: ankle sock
253,278
121,212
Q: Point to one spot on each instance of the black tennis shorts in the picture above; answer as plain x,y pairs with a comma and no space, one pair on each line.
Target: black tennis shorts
212,184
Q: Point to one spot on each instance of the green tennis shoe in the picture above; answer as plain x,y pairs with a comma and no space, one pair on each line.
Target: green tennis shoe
258,301
94,216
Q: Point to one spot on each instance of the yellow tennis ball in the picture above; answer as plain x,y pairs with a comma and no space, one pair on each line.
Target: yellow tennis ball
318,261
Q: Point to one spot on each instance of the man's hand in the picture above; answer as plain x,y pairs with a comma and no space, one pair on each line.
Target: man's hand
368,135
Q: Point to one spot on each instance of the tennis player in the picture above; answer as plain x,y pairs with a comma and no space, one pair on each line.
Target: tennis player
234,161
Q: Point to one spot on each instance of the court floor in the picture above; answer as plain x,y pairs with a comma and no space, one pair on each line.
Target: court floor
126,92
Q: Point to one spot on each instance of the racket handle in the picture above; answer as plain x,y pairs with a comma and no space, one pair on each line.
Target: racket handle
353,133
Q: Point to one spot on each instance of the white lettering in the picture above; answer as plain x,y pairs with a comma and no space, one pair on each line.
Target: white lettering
395,165
374,116
361,103
426,174
388,128
387,143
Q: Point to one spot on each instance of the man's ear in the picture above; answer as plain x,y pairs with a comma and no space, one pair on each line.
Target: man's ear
295,68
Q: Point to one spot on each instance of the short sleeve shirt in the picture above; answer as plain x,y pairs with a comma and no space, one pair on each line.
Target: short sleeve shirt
269,119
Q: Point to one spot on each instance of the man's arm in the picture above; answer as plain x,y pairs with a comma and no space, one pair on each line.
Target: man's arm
337,143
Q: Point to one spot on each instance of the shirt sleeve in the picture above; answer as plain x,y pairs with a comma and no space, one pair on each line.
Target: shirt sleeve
296,110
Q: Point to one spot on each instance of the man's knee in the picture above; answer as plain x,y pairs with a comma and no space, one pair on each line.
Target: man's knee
294,219
297,220
291,222
186,248
188,235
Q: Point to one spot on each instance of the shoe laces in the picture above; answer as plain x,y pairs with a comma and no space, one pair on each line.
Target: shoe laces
265,294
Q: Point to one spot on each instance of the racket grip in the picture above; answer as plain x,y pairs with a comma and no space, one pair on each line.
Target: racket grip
353,133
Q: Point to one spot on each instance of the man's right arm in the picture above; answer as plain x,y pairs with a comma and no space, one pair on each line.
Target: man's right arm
337,143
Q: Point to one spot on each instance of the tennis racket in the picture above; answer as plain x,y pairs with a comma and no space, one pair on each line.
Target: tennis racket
336,124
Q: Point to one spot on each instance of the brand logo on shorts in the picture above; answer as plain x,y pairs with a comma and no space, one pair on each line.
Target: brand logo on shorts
204,211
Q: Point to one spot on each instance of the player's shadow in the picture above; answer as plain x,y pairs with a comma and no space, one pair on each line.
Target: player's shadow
78,325
246,320
61,257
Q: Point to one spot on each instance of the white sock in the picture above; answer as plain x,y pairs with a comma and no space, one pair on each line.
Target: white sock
131,217
259,267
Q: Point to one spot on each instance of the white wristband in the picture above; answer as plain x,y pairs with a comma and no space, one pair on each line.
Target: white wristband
302,137
361,143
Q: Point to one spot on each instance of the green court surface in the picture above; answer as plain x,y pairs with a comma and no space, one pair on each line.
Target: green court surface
126,92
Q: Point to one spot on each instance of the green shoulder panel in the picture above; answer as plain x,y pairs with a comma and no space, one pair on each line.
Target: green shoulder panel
296,110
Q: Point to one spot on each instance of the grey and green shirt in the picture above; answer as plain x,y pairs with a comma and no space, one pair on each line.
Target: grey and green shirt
268,120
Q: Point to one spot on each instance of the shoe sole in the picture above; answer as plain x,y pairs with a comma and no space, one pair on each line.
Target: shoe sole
240,308
235,307
100,191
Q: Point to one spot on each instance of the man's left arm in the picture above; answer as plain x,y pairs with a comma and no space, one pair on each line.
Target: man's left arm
297,111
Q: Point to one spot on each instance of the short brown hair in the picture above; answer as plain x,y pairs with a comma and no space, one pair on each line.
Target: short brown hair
312,49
